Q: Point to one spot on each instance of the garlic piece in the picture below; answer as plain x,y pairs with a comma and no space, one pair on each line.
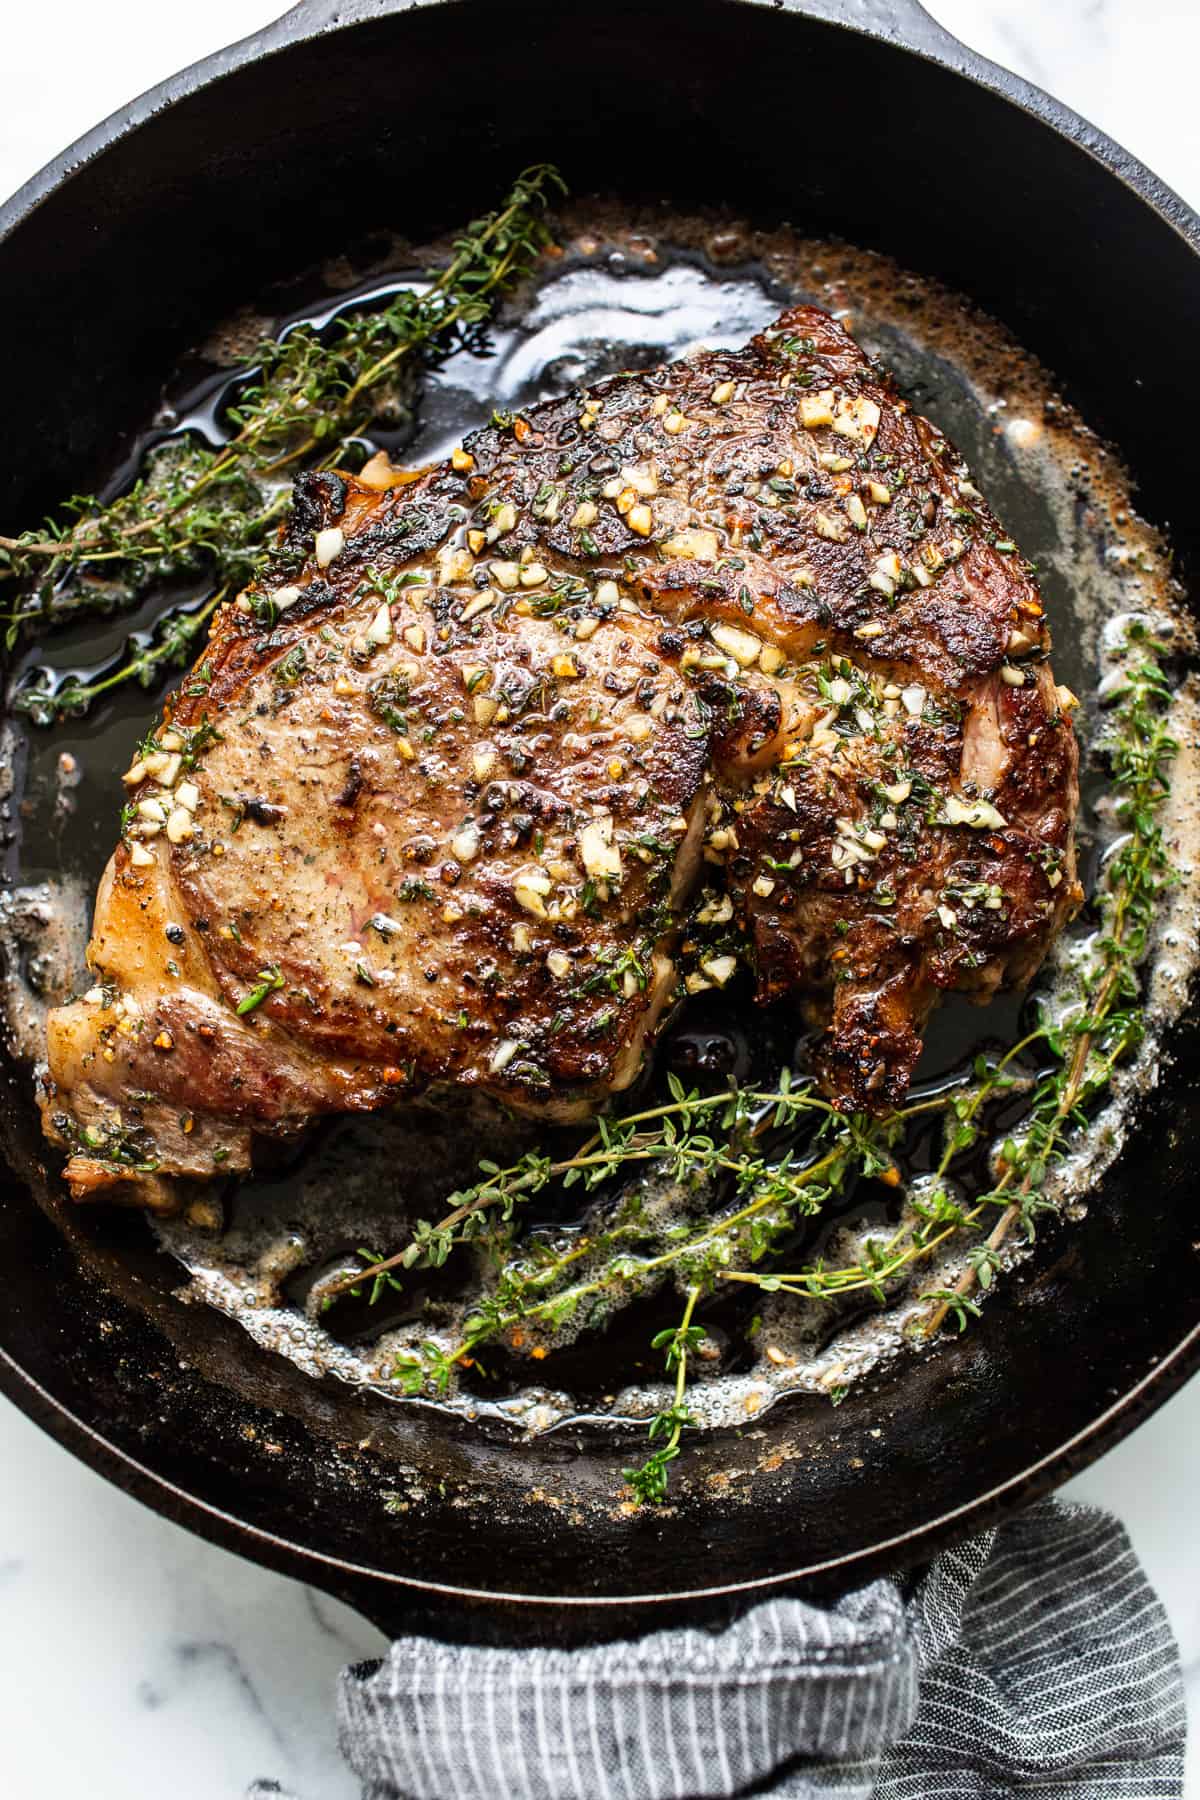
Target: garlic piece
980,815
816,409
719,969
600,856
694,544
642,478
454,564
379,473
379,631
886,573
329,544
530,888
830,528
743,646
464,845
858,419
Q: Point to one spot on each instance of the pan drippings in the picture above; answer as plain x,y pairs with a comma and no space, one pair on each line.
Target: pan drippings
630,293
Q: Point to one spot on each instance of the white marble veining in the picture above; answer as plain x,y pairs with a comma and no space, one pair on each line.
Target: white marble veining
136,1660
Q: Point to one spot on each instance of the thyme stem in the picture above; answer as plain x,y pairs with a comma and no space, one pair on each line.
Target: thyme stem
176,632
1142,752
649,1482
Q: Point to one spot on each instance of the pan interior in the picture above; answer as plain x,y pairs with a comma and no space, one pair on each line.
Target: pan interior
628,291
348,1464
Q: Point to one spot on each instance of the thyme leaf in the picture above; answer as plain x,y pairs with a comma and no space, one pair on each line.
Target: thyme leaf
269,982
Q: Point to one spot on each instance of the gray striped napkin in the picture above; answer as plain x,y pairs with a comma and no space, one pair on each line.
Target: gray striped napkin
1035,1659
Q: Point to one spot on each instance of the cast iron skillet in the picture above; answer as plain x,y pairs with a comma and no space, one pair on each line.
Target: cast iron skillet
865,121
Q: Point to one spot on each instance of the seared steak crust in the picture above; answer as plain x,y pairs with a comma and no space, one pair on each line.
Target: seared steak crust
430,808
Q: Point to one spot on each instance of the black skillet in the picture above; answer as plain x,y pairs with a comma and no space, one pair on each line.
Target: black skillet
866,121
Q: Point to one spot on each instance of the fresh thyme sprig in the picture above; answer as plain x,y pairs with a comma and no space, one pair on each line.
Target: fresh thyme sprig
310,397
99,559
532,1290
170,644
649,1481
1103,1022
269,982
669,1138
767,1196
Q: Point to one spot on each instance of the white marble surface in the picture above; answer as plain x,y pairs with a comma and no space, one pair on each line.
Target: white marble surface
190,1671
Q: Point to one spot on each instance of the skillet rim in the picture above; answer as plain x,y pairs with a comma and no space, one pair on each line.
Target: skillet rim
347,1579
902,25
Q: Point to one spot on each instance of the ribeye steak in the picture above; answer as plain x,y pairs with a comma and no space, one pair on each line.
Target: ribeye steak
432,808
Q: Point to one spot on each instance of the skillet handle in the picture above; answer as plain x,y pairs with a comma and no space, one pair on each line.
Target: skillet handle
902,22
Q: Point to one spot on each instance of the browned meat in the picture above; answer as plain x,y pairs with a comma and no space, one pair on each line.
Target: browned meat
429,811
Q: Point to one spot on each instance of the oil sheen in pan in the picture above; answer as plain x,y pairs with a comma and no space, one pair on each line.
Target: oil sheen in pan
630,292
